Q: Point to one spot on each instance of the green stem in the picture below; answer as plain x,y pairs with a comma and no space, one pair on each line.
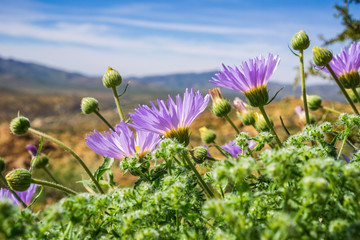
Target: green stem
356,94
50,175
117,101
262,110
3,179
231,123
53,185
342,89
330,110
67,231
342,147
69,150
104,120
302,74
203,184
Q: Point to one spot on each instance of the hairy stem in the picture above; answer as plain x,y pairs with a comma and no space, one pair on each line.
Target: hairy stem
53,185
302,74
117,101
342,89
231,123
262,110
202,183
104,120
69,150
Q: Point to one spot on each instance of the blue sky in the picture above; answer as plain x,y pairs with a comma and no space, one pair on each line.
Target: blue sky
141,38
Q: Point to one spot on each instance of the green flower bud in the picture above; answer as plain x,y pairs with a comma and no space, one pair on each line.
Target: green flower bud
2,165
258,96
246,117
199,154
40,161
207,135
322,56
19,125
89,105
220,107
111,78
19,179
350,80
260,123
314,102
300,41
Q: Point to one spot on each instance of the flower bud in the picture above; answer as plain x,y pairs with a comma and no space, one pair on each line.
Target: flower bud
260,123
19,179
300,41
220,107
322,56
89,105
19,125
199,154
2,165
111,78
244,112
40,161
314,102
207,135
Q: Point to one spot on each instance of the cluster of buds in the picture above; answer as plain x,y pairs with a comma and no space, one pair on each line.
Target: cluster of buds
220,107
244,112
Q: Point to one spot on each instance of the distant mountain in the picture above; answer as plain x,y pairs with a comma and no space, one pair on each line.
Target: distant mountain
29,77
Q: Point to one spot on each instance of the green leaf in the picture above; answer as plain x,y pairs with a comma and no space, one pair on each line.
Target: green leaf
106,166
275,95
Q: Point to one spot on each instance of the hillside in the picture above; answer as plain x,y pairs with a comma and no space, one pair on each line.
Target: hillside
33,78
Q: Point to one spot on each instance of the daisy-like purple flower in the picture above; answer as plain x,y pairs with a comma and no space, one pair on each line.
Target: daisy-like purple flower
234,149
173,120
346,65
249,78
25,196
122,143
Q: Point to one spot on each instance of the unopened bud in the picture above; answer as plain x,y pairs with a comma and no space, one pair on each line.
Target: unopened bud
2,165
300,41
322,56
220,107
260,123
89,105
111,78
314,102
19,179
40,161
19,125
199,154
207,135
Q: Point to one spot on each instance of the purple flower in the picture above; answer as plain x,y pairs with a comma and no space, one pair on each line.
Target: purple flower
299,111
122,143
346,61
173,120
25,196
234,149
346,65
32,150
248,76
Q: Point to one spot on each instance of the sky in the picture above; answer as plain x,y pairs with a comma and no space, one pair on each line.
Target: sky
142,38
